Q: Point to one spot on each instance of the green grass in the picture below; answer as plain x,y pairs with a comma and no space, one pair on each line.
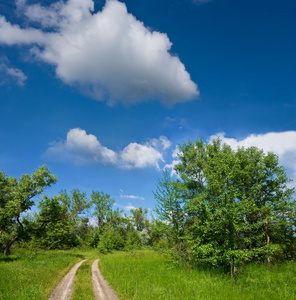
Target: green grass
140,275
83,289
25,276
149,275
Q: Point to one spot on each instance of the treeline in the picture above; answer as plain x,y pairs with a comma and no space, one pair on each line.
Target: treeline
65,220
226,208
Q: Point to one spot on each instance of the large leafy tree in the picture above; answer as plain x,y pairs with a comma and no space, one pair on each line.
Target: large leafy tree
16,198
237,202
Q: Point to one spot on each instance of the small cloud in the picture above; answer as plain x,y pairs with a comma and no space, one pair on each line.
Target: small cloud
81,148
9,75
122,195
169,122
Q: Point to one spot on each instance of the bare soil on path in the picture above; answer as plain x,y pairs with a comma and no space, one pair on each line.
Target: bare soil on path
65,288
102,289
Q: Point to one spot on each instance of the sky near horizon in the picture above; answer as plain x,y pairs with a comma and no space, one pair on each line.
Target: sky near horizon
103,92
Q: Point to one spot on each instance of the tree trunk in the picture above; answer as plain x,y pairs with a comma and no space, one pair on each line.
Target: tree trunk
8,245
267,238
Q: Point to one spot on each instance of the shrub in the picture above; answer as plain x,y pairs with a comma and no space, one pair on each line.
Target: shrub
110,240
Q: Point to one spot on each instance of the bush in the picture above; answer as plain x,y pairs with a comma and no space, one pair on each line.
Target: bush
110,240
133,241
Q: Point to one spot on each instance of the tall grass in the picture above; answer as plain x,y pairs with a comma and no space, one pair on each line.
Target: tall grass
28,276
149,275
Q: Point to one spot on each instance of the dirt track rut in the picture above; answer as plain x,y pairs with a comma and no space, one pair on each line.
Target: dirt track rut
102,289
65,288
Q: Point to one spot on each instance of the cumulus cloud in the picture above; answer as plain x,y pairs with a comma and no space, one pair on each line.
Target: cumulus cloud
108,55
281,143
141,156
82,149
9,74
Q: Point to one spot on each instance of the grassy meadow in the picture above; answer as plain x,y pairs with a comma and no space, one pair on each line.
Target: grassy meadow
143,274
27,276
149,275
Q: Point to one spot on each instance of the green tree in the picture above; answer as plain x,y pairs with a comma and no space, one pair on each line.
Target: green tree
76,203
16,198
235,200
170,206
56,224
139,217
102,205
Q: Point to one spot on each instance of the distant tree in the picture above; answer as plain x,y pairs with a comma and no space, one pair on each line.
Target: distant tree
76,203
16,198
139,217
102,205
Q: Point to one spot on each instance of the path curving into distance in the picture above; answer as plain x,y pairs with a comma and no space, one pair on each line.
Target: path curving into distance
64,289
101,288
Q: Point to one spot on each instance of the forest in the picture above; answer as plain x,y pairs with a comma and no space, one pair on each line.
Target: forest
224,208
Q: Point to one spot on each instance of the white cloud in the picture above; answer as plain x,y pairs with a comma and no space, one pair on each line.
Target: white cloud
162,142
108,54
281,143
10,74
81,148
122,195
141,156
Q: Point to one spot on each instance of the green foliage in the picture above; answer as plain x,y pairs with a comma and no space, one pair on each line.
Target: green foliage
110,240
139,217
93,237
102,205
16,198
145,236
237,203
159,234
170,206
133,240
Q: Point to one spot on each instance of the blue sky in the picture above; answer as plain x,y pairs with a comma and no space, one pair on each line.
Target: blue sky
103,92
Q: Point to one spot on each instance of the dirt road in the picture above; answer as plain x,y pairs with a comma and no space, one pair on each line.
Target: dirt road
65,288
102,289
